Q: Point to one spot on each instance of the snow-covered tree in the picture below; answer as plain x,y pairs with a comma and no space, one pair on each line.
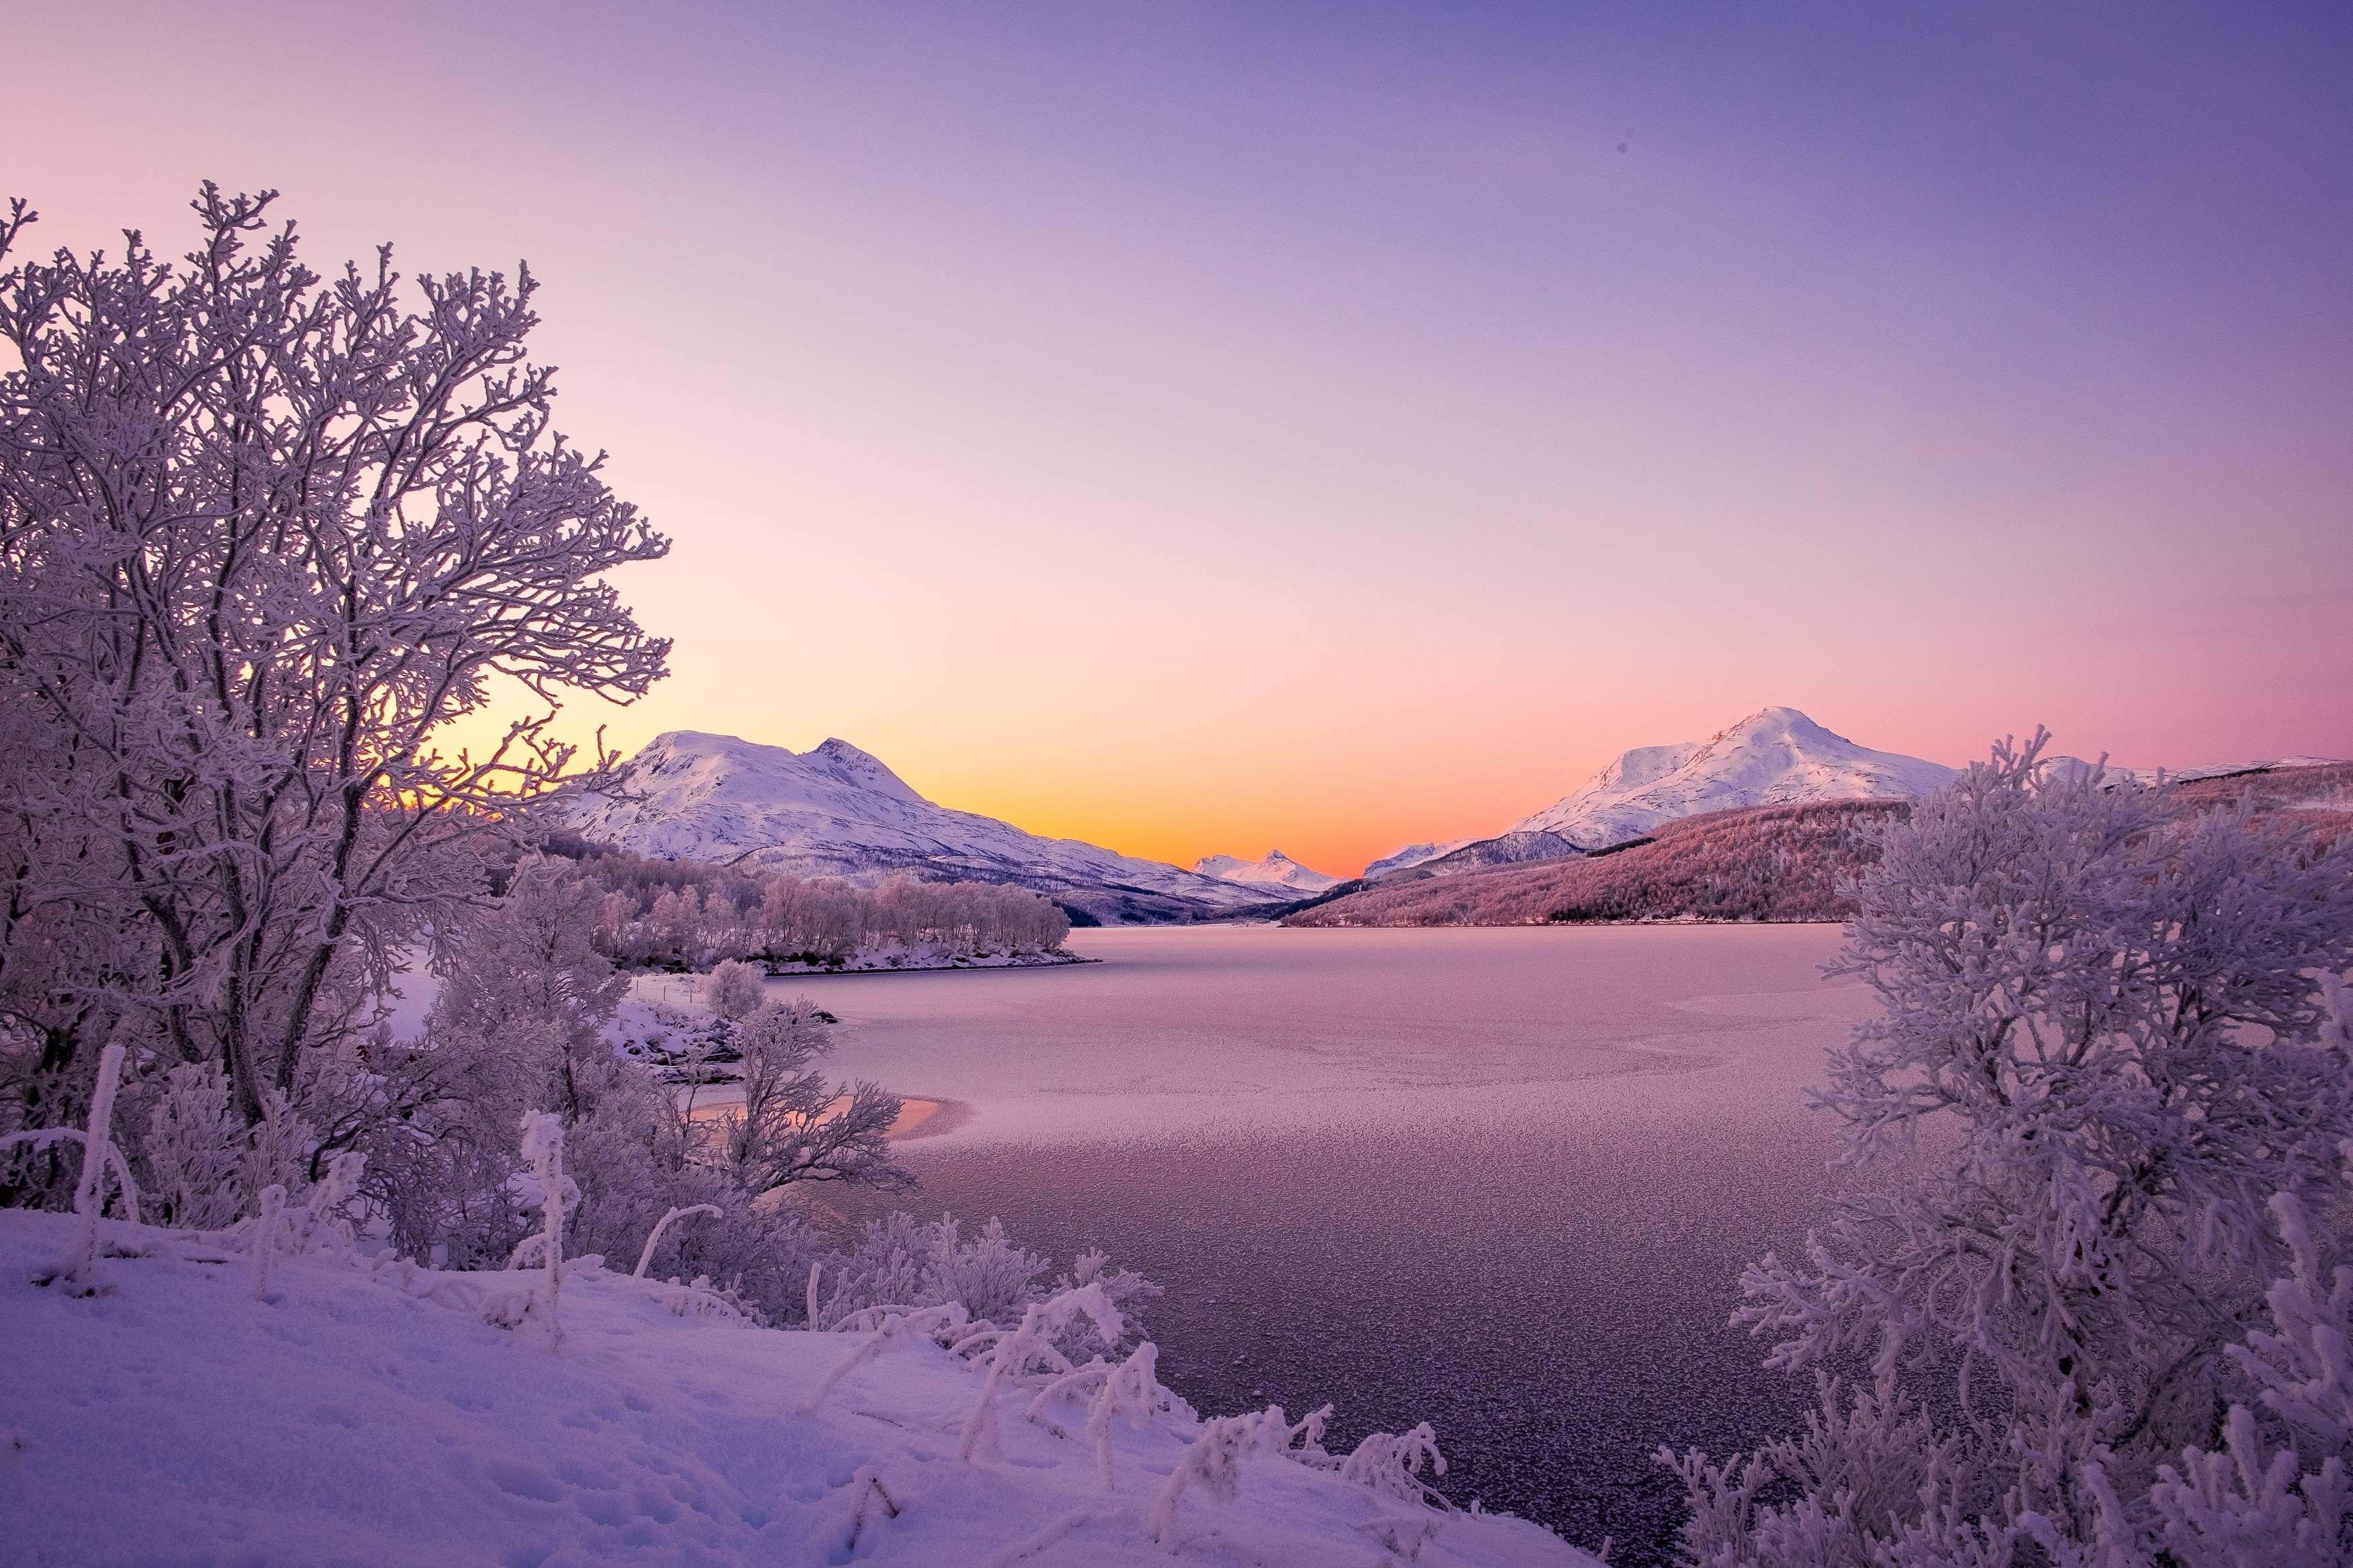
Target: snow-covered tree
2104,1047
263,536
796,1125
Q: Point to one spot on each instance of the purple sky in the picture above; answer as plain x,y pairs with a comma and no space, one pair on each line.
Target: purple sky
1204,428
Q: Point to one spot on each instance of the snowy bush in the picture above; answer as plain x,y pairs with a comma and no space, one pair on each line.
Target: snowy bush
2108,1042
1390,1463
1015,1350
732,990
2287,1500
194,1147
1211,1464
900,1259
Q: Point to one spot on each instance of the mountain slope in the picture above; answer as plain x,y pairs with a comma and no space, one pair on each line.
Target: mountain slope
837,811
1777,757
1277,873
1411,855
1755,863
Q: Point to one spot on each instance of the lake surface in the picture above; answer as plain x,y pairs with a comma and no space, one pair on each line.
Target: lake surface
1501,1180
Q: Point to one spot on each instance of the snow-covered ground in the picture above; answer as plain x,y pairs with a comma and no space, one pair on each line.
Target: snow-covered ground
367,1413
1278,873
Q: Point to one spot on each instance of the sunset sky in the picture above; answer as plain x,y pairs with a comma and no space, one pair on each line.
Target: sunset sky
1203,428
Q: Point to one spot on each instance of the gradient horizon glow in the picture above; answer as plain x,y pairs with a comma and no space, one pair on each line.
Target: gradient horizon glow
1204,428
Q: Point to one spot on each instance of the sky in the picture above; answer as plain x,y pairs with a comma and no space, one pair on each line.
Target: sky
1211,428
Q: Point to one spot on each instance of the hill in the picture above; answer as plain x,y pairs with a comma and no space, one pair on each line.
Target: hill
1764,863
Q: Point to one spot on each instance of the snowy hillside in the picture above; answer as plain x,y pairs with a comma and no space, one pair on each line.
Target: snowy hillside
1277,873
2115,772
1777,757
368,1412
1411,855
836,811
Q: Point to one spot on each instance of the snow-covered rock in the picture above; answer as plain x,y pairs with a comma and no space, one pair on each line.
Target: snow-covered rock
1278,873
1411,855
368,1414
837,811
1777,757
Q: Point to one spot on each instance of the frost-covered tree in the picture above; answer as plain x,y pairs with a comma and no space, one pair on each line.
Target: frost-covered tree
2104,1047
733,989
796,1125
263,536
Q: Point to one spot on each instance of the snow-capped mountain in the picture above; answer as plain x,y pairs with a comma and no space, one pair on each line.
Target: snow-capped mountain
837,811
1278,872
1411,855
1777,757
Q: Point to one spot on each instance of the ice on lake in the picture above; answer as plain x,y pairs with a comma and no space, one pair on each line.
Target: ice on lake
1502,1180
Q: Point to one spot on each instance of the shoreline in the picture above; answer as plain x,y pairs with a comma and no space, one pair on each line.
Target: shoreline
1061,961
920,1115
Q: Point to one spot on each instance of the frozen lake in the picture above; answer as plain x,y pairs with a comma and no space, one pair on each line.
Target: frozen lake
1501,1180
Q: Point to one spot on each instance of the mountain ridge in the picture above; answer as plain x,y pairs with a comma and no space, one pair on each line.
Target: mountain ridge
836,810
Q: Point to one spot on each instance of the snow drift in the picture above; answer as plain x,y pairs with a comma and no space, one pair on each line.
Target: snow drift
366,1412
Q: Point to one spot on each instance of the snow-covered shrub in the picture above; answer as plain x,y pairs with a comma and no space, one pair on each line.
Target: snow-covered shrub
733,989
890,1328
1130,1388
1210,1464
645,1255
2283,1499
2107,1041
1130,1294
1015,1352
194,1149
900,1259
1390,1464
278,1148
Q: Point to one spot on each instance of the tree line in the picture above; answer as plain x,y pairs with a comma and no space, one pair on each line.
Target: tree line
686,915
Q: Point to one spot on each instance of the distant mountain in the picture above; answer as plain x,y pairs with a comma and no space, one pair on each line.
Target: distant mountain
1764,862
837,811
1278,873
1411,855
1777,757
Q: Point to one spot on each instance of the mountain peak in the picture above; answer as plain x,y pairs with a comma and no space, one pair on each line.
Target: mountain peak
1277,870
1776,757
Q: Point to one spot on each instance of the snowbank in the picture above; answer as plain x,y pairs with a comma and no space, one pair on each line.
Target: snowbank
356,1419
